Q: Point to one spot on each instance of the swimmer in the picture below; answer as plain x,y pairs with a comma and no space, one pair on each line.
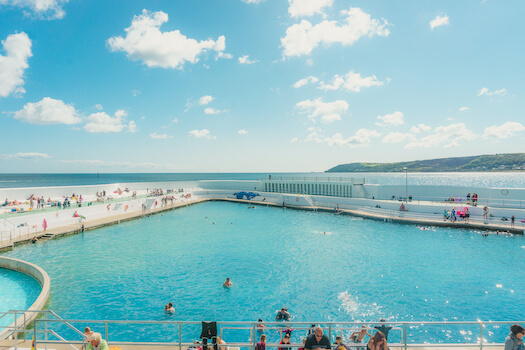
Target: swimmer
227,283
169,308
283,314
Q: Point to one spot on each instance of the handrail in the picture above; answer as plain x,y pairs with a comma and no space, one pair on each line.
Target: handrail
252,327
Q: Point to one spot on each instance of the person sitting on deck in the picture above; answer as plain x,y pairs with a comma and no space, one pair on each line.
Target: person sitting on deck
318,341
377,342
97,343
284,342
515,338
262,344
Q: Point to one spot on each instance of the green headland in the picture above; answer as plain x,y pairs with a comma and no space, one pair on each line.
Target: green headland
493,162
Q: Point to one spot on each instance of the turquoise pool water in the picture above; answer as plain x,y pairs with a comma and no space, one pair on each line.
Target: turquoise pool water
18,291
323,267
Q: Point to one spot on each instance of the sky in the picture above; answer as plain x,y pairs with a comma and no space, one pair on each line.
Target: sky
256,85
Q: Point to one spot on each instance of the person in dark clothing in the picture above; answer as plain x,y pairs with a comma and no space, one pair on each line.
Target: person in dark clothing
318,341
383,328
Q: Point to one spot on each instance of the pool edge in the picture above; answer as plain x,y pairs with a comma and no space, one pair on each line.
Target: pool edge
41,276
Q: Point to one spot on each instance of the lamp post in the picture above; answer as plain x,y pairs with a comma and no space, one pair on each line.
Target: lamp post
406,184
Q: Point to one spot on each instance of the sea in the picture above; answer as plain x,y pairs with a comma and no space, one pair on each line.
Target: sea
470,179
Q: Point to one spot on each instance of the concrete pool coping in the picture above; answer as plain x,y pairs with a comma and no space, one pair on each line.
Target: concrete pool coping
366,212
41,276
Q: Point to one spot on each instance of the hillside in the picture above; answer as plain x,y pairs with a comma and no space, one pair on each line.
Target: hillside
495,162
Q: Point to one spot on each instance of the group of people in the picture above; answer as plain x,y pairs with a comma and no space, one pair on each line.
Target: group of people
474,199
453,214
317,340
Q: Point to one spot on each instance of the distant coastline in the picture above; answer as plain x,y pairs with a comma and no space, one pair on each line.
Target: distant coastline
483,163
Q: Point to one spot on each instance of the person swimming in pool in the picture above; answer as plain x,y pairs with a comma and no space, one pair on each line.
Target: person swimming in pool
169,308
227,283
283,314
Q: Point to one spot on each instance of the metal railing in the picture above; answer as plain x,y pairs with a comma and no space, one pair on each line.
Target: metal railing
353,180
245,334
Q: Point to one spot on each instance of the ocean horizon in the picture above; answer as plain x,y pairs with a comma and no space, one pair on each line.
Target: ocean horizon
473,179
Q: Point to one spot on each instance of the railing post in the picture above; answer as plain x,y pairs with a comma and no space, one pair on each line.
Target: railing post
254,340
34,333
480,335
16,332
330,332
180,336
106,330
45,330
405,336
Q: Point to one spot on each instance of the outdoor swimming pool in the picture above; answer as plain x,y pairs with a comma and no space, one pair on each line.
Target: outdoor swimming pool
323,267
18,291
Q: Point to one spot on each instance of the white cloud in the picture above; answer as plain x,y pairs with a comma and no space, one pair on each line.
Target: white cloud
328,111
48,111
252,1
12,66
175,120
485,91
294,140
242,132
307,8
446,136
503,131
463,109
305,81
210,110
351,81
135,92
24,156
420,128
160,136
99,107
204,100
45,9
397,137
439,21
201,134
309,62
246,60
302,38
102,122
144,41
361,138
132,127
393,119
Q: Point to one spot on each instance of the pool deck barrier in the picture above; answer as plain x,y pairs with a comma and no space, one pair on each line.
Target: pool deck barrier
386,215
26,345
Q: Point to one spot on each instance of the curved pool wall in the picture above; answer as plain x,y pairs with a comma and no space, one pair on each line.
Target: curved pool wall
41,276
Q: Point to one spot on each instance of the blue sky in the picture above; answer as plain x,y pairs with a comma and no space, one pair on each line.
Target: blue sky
256,86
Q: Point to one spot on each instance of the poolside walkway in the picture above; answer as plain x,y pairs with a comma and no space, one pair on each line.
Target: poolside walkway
413,218
96,223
